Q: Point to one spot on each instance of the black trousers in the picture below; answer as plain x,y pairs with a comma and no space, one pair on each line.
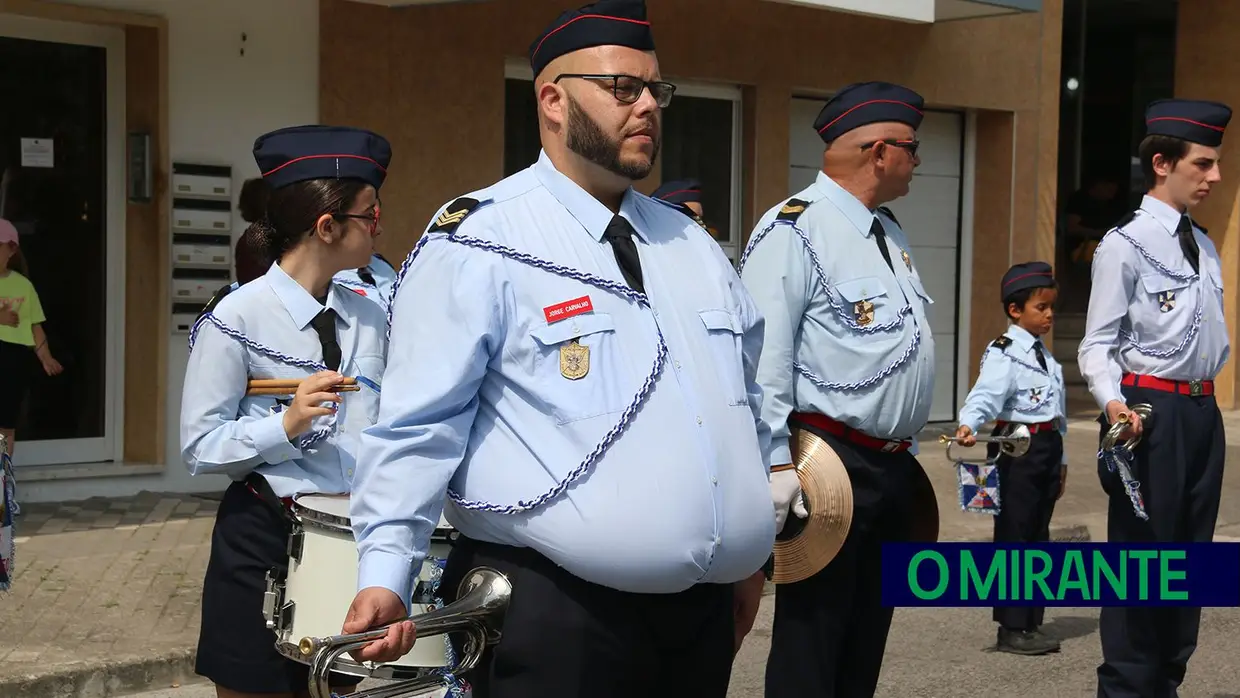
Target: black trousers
1179,464
830,630
569,638
1028,488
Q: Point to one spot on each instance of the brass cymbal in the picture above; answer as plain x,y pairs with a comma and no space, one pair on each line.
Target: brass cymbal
827,490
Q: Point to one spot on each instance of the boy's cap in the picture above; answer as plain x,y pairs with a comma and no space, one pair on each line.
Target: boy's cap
1027,275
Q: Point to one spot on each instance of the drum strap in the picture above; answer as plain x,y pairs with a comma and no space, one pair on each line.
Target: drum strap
262,489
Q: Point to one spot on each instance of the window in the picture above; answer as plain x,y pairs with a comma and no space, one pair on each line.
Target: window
701,140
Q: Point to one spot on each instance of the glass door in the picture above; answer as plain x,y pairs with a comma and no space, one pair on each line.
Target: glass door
61,173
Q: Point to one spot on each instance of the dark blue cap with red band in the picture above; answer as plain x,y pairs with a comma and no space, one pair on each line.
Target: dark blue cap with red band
1196,121
299,153
681,191
1027,275
604,23
865,103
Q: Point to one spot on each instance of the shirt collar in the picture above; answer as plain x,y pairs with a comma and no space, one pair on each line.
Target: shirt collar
1162,212
301,306
852,208
589,211
1021,337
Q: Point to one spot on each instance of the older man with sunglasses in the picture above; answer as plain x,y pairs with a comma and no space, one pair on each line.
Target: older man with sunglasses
849,358
588,408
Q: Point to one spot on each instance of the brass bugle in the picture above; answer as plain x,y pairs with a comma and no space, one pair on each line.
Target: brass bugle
481,601
1144,411
289,386
1014,443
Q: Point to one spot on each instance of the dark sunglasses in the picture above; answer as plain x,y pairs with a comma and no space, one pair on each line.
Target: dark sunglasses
628,89
910,146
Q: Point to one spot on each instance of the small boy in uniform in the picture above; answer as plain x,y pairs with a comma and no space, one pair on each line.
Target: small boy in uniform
1020,382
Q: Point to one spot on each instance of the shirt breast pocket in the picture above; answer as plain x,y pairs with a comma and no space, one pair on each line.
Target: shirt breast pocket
724,337
1032,392
266,370
867,304
1166,295
579,368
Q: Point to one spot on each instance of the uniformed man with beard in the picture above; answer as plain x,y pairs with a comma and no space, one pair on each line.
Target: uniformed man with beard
587,408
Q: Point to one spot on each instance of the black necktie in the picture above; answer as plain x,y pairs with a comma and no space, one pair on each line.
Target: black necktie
1037,351
325,324
1188,242
620,234
880,237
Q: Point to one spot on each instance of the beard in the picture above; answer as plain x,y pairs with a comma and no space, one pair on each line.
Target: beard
587,139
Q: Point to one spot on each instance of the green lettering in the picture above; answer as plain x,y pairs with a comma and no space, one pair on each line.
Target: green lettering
970,579
916,587
1014,587
1035,576
1143,557
1074,567
1166,575
1118,585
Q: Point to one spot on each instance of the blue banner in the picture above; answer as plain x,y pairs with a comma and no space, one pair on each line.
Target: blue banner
1061,574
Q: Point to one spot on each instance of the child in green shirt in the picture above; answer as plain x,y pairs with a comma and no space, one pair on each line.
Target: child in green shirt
21,330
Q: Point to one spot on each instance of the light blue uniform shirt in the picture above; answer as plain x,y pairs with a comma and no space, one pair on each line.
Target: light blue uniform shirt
1149,314
380,291
225,431
475,398
880,375
1012,387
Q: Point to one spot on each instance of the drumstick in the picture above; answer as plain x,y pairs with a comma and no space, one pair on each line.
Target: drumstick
279,386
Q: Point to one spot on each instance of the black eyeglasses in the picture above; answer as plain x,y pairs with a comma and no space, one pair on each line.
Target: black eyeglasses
373,218
628,89
910,146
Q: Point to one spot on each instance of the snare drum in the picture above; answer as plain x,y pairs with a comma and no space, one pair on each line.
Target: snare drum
313,597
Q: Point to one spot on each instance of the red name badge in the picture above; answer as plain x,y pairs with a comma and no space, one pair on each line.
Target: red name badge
567,309
358,291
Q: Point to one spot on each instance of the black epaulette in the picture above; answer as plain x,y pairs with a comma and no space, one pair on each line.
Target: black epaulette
1002,343
1202,228
684,208
792,210
215,299
887,212
453,215
1128,217
364,274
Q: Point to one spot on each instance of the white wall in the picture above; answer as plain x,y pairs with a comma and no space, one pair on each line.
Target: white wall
219,101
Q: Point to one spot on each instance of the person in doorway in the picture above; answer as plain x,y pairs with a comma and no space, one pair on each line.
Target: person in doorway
686,193
1090,212
22,339
1021,383
848,356
588,408
1156,334
292,322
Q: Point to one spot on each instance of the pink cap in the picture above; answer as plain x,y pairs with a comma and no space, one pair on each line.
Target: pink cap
7,232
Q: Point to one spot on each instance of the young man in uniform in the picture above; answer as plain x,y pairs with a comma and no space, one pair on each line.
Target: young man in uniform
1020,382
1156,334
849,357
589,409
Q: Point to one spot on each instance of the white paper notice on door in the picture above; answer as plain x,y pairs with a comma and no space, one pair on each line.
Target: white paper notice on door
37,152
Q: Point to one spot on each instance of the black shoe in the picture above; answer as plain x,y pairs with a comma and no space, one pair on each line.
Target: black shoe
1026,642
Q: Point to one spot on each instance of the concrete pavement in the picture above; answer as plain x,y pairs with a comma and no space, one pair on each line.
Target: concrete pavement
105,602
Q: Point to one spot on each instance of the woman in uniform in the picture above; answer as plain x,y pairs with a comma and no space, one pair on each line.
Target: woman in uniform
291,323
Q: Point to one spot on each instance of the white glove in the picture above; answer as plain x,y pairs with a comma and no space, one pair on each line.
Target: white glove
785,491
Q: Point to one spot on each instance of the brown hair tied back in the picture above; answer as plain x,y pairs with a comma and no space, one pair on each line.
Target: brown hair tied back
293,210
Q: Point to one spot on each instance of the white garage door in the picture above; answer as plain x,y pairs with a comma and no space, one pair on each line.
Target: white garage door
930,216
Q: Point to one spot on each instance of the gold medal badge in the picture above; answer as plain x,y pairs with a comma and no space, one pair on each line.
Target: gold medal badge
864,312
908,261
574,360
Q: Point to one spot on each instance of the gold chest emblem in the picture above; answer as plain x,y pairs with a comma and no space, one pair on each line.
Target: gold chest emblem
574,360
864,312
908,261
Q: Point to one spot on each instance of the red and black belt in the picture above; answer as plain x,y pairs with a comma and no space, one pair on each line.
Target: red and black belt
1052,425
1192,388
858,438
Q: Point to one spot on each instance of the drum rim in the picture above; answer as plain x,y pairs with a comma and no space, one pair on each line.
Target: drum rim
343,665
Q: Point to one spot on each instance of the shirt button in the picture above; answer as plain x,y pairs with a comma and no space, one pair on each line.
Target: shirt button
350,472
699,421
678,364
714,481
718,540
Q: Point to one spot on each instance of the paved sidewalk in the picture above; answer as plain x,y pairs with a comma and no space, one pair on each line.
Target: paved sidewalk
105,599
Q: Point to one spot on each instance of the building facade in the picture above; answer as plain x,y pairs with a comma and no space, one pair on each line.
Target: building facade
185,87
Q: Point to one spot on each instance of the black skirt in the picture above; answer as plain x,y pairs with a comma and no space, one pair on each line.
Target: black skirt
236,650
